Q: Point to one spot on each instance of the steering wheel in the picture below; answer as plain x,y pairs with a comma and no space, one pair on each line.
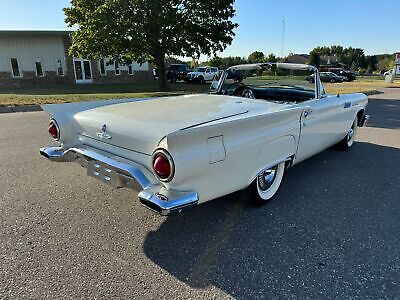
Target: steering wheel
247,93
241,90
230,90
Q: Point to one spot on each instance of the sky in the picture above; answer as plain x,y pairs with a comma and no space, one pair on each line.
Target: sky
368,24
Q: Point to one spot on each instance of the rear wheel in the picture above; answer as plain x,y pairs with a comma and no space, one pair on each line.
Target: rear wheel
174,78
332,80
349,139
267,183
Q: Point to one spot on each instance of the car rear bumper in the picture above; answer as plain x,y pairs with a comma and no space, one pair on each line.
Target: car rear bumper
124,174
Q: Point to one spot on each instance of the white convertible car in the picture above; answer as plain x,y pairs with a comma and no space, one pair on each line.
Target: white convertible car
181,151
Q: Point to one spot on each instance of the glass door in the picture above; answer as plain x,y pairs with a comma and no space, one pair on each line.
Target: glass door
83,71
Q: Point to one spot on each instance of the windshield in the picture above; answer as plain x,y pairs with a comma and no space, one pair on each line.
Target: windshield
271,76
200,69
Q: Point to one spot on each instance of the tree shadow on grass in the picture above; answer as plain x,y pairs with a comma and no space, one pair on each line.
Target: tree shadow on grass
331,232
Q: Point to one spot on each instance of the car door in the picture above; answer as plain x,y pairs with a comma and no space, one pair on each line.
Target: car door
208,75
320,126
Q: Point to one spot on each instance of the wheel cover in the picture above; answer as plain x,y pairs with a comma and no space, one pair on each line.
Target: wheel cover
267,178
351,134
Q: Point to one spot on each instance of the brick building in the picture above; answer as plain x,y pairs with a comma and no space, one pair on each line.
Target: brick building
41,57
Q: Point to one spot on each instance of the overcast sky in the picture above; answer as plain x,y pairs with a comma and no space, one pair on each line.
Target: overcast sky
369,24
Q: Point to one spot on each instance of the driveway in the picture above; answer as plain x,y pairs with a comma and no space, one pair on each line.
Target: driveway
331,233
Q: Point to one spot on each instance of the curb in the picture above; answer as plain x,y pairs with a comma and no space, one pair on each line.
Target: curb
22,108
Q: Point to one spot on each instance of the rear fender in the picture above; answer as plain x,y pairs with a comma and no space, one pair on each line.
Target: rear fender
274,152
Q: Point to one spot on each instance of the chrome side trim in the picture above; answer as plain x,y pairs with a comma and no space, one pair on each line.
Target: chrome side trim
84,156
166,202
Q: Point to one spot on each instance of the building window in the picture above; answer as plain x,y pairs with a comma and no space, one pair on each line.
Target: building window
102,67
59,65
15,67
117,70
39,68
130,69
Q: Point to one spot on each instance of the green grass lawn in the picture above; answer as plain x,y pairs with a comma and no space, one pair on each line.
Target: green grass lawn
87,92
361,85
76,93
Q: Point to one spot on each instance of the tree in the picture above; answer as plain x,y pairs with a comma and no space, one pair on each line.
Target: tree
371,62
148,30
271,58
315,58
385,63
216,61
256,57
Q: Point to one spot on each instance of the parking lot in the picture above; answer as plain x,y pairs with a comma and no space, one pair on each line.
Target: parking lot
331,233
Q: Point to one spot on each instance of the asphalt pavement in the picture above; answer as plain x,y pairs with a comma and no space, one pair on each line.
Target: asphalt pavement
333,231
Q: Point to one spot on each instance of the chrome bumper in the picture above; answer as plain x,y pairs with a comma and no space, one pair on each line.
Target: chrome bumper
124,175
364,120
166,202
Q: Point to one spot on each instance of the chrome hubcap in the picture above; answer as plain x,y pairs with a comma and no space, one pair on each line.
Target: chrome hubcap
267,178
350,134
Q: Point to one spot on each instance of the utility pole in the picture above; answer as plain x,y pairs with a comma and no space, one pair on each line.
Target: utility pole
283,36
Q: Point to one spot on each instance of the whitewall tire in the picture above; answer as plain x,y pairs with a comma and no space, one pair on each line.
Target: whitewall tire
350,137
267,183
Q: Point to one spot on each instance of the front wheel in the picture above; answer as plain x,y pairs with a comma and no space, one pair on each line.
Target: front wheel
267,183
350,137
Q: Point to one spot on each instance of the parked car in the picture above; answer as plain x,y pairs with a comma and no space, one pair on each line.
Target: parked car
181,151
345,74
326,77
202,74
177,72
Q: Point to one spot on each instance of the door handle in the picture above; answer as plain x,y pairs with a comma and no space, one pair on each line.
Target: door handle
307,113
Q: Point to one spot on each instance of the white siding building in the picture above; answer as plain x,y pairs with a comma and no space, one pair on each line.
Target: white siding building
41,57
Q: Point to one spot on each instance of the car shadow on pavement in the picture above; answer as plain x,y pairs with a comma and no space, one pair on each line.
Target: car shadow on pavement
385,113
331,232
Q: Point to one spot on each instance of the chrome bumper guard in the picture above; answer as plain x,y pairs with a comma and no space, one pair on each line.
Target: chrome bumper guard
123,175
364,120
166,202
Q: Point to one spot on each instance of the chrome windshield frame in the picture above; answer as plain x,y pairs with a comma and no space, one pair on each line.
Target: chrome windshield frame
289,66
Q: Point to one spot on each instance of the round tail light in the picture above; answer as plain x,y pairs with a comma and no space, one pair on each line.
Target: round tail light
54,130
163,165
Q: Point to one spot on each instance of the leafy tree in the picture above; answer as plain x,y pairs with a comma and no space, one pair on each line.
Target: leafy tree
216,61
271,58
256,57
386,63
315,58
371,62
143,30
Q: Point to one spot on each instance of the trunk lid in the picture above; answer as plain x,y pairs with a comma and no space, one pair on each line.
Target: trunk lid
140,125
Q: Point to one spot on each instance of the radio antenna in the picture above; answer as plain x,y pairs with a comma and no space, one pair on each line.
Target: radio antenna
283,36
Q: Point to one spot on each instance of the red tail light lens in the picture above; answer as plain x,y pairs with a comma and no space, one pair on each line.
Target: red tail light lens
53,130
163,165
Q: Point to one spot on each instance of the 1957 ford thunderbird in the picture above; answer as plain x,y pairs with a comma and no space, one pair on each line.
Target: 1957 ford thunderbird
181,151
